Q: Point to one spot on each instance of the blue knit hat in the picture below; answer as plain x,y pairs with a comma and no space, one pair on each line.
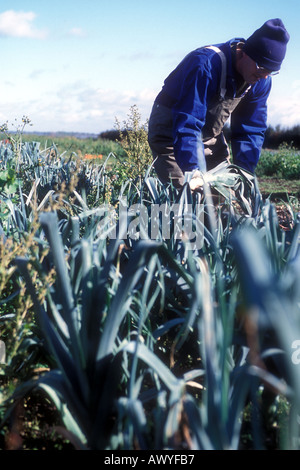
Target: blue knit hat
267,45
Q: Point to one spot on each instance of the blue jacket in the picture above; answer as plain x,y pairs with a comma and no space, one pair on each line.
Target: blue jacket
191,88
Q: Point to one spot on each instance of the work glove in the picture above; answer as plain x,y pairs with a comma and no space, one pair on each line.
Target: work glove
196,181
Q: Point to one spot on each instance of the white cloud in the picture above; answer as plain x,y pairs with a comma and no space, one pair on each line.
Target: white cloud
36,73
284,114
77,32
19,24
77,108
284,111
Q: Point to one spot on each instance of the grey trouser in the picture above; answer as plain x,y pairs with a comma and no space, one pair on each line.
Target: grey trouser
160,137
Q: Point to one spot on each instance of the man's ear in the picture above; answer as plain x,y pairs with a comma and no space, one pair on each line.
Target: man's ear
240,54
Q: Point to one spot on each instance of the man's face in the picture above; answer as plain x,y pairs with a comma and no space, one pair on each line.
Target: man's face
250,71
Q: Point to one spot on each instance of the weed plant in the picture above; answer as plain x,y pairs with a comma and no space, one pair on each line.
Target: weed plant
282,163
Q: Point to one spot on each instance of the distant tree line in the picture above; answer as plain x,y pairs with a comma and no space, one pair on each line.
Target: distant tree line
110,135
275,136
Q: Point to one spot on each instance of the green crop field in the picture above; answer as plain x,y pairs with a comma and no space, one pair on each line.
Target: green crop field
137,317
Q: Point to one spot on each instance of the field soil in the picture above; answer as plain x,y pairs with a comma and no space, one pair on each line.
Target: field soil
279,188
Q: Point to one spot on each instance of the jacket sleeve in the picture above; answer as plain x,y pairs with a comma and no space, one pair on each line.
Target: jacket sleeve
248,126
189,118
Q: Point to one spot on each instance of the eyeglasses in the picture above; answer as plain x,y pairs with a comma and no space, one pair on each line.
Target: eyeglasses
265,71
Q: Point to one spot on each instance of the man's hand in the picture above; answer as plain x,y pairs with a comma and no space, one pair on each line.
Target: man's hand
196,181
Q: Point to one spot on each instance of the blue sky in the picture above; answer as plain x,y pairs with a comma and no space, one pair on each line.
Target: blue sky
77,66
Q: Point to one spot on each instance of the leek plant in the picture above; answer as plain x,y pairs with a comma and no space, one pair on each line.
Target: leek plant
83,323
156,342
